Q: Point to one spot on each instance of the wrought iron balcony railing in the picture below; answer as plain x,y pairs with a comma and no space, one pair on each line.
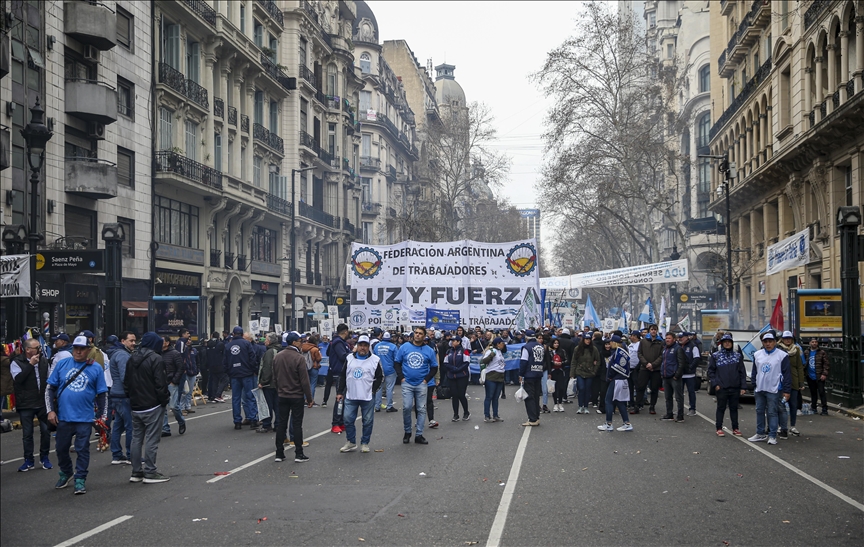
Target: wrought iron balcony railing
232,116
215,256
203,9
317,215
271,8
244,123
218,107
167,161
278,205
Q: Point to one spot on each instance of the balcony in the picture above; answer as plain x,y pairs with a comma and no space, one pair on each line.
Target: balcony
814,11
241,263
368,163
175,80
760,13
307,8
307,75
232,116
91,100
332,102
278,205
91,23
310,278
167,161
391,173
259,267
218,107
244,123
229,261
726,7
215,258
325,157
273,11
278,74
347,226
203,10
743,96
370,208
317,215
267,138
307,141
90,178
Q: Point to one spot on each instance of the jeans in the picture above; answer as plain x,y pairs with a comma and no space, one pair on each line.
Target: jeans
122,423
188,388
727,396
611,404
458,388
27,415
389,384
532,402
560,379
81,431
241,393
545,387
367,408
690,384
145,439
583,390
174,406
674,388
646,378
493,393
313,381
766,403
271,396
292,408
414,396
817,393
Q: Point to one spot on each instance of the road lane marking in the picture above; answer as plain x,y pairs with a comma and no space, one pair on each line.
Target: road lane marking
784,463
94,531
94,440
259,460
497,529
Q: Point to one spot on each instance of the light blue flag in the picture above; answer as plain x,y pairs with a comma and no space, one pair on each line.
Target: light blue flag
622,323
647,315
755,343
591,314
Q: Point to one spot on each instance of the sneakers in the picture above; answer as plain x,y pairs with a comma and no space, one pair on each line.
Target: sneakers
238,426
579,410
168,433
794,431
324,404
65,480
487,420
691,412
335,429
245,422
737,432
364,448
757,438
392,409
651,410
626,427
263,429
153,478
598,411
667,418
137,477
79,487
531,424
545,409
679,418
26,466
455,418
341,429
720,433
301,458
634,411
291,443
120,461
784,434
772,440
46,463
420,439
406,438
466,417
497,419
182,428
349,447
280,458
433,424
823,413
606,427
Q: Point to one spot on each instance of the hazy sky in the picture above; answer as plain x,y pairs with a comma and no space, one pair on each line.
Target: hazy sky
495,46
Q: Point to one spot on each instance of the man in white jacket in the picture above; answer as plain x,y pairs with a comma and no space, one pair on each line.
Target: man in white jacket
360,378
771,374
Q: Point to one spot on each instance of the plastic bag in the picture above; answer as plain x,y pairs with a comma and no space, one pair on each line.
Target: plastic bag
550,386
263,409
521,394
571,387
483,377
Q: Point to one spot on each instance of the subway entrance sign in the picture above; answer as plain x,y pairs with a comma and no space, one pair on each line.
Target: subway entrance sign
70,261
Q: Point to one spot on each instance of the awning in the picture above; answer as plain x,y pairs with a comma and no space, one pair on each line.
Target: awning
135,309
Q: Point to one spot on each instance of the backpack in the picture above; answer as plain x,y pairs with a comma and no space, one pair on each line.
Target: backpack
309,362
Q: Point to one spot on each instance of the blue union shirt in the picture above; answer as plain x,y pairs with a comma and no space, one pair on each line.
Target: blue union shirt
78,399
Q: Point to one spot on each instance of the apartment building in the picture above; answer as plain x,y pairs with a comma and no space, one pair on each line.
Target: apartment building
788,109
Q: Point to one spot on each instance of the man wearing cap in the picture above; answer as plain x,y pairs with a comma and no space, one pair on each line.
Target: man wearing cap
77,383
531,367
650,357
61,348
726,373
360,378
295,394
145,383
692,356
386,351
29,378
673,362
771,375
242,368
418,365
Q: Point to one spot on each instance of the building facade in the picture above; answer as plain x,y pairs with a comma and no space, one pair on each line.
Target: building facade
788,110
530,224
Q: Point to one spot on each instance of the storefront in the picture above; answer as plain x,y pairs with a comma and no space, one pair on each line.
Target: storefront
170,315
265,303
83,308
173,283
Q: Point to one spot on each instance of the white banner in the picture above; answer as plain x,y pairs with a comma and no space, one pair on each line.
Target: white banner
789,253
646,274
486,282
14,276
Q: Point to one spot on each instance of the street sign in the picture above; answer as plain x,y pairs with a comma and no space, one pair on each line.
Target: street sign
697,297
70,261
318,307
333,311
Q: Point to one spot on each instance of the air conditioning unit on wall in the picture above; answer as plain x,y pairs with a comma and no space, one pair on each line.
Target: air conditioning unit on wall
96,130
91,54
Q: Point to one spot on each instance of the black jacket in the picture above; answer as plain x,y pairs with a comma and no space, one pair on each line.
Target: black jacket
215,353
567,343
28,393
175,370
145,382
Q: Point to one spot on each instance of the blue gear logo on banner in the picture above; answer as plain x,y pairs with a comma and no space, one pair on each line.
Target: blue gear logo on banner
366,262
522,259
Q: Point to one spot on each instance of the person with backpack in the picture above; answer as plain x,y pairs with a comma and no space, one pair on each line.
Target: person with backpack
312,355
265,381
386,351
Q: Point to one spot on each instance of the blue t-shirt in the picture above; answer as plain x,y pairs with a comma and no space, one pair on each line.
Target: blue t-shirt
811,366
78,399
386,351
416,361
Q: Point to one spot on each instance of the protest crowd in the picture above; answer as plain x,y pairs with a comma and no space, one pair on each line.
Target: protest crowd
126,390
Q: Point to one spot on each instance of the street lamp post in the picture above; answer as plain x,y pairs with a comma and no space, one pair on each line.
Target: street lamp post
36,135
113,235
729,172
847,383
14,238
293,321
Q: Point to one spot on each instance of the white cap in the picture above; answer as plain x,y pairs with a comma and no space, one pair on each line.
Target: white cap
80,342
565,331
768,336
385,336
787,334
363,340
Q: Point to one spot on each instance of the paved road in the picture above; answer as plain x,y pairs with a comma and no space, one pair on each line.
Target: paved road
662,484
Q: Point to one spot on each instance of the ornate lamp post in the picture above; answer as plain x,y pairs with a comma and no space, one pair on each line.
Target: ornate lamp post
113,235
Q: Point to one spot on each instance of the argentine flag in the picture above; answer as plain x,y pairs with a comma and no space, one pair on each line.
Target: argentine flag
647,315
591,314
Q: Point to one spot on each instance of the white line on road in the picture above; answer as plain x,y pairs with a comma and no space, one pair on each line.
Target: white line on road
94,531
259,460
811,478
504,507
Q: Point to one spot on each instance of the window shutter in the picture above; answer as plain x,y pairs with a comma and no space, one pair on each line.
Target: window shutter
124,168
123,24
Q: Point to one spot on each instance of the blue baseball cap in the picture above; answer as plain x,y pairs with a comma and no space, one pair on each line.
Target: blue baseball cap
62,336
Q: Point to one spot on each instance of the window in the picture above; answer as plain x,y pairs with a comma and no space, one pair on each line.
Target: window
125,98
166,130
125,167
304,117
331,138
366,188
230,155
275,187
705,79
274,117
704,174
127,248
124,28
217,152
192,140
784,14
670,51
193,61
303,55
274,47
243,161
366,145
365,101
848,181
259,108
652,20
263,244
258,34
171,46
256,171
243,18
785,98
365,63
332,88
176,222
703,128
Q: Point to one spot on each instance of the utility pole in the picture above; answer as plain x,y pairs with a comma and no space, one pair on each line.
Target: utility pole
727,169
848,383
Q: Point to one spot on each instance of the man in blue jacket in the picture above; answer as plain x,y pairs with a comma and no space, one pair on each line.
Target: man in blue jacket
418,364
531,365
727,375
672,366
386,351
118,401
338,353
242,368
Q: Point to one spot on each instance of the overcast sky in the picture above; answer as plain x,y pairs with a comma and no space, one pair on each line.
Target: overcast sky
495,46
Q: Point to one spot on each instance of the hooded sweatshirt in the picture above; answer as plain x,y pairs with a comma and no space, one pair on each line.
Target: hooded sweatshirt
265,375
796,364
144,381
118,356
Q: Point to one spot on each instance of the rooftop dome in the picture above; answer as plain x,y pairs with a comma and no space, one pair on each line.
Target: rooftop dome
447,89
365,25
